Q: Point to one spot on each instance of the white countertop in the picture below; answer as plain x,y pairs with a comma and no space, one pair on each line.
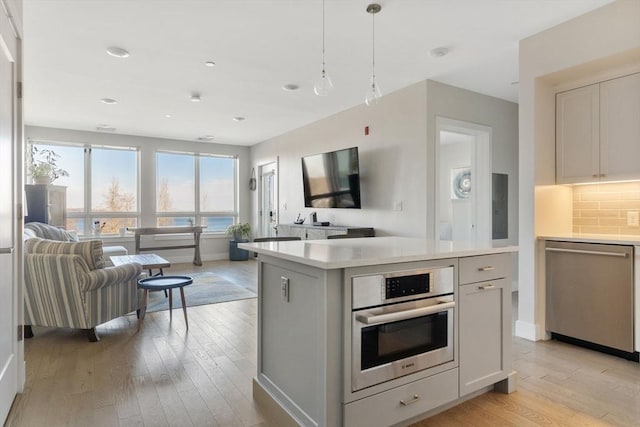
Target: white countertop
342,253
614,239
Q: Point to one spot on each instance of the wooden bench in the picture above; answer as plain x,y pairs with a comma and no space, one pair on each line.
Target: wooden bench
196,230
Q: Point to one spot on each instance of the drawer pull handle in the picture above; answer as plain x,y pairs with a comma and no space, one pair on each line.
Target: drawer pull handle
413,400
485,287
487,268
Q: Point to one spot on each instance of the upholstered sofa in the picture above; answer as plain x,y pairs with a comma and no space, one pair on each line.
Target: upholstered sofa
68,286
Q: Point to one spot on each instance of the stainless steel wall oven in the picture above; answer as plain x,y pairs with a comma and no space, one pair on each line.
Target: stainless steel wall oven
402,323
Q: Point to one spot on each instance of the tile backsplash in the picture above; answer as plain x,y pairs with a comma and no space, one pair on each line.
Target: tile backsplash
603,208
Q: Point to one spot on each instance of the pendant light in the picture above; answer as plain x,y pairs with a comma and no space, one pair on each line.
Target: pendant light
324,85
373,94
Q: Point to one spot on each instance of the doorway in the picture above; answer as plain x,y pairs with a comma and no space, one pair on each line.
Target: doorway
463,181
268,213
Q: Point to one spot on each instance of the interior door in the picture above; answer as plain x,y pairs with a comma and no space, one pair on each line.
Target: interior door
463,181
8,285
268,213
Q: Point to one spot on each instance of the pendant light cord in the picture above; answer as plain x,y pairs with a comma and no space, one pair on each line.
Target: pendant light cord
373,47
323,38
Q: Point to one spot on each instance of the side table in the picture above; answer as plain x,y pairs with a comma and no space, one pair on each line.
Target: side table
164,283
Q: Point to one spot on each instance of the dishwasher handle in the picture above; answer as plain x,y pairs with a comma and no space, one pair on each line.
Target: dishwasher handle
580,251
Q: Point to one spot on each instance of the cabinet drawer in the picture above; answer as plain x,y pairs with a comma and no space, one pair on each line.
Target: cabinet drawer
485,267
385,409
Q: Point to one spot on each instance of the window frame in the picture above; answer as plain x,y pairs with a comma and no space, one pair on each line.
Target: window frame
88,215
197,214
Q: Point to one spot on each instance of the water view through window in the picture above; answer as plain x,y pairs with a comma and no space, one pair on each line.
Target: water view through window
103,188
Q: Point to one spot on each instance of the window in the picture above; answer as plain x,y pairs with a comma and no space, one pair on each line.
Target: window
196,189
114,188
102,186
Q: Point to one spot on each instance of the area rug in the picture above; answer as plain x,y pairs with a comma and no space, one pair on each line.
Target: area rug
207,288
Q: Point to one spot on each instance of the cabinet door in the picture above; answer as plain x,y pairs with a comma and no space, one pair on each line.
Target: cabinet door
290,336
485,334
316,234
291,231
577,135
620,128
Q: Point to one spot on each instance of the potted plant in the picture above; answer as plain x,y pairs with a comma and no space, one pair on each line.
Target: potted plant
241,233
44,167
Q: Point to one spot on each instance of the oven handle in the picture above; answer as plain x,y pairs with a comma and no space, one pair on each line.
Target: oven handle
370,319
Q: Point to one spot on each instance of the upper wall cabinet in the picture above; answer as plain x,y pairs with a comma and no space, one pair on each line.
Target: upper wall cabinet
598,132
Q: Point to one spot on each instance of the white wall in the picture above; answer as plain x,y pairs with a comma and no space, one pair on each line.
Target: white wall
392,163
500,115
396,159
212,246
603,42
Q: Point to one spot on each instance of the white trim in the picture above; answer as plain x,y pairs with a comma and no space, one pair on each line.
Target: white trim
482,156
530,331
276,204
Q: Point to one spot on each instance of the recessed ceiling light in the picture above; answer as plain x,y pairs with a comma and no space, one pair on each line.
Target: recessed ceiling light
290,87
168,116
108,101
195,97
239,119
118,52
205,138
210,64
439,52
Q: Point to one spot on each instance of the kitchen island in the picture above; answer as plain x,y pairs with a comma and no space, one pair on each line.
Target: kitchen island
310,351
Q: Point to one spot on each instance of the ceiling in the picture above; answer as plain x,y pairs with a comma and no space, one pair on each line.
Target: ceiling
258,46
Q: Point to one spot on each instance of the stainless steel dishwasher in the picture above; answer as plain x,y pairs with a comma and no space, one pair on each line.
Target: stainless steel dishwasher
589,294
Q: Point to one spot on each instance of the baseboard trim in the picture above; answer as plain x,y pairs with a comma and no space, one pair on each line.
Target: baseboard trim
277,415
530,331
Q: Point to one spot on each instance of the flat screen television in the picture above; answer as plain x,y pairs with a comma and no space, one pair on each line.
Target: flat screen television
332,180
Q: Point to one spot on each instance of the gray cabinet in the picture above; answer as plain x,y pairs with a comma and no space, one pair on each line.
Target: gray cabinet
46,203
598,132
299,339
385,409
484,301
311,232
578,135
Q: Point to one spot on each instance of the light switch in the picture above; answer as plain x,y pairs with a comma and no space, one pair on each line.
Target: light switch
633,219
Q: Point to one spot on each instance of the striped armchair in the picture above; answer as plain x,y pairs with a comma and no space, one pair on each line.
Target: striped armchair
67,286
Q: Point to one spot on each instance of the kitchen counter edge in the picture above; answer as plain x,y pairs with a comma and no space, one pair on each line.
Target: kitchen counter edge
272,250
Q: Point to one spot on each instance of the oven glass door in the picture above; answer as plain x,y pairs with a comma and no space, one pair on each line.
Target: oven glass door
399,339
393,341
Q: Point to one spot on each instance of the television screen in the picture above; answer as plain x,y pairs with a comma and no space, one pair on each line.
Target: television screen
332,180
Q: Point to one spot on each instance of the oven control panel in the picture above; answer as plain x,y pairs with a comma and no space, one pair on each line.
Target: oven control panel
397,286
404,286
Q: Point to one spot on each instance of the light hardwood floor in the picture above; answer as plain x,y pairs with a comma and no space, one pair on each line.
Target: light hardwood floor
166,376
